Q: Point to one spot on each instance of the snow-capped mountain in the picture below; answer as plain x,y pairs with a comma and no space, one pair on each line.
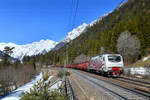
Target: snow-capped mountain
78,31
72,35
75,32
34,48
82,28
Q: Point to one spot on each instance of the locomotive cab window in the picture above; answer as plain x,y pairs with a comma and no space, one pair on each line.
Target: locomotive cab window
114,58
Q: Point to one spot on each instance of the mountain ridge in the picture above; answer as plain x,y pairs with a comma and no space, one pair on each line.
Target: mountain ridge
30,49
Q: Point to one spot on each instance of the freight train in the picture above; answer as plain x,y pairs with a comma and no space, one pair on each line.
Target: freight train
106,64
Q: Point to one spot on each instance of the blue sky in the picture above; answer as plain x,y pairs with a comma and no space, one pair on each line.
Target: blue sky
26,21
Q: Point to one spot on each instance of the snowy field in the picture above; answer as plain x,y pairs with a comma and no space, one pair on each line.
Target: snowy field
138,71
16,95
55,86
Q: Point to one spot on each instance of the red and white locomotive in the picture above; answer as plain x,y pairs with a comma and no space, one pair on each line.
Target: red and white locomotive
108,64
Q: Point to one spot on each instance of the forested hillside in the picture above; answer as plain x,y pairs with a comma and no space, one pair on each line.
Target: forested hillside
110,35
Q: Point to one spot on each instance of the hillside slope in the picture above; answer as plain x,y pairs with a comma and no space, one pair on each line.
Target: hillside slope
132,16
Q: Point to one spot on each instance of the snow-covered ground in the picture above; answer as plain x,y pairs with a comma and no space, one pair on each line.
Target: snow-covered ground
144,71
55,86
146,58
16,95
48,80
138,70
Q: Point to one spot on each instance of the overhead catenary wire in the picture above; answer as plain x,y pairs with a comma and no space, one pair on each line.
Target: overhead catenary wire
73,20
75,14
71,13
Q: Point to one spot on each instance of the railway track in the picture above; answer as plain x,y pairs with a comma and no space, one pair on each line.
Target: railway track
117,91
135,80
139,83
69,90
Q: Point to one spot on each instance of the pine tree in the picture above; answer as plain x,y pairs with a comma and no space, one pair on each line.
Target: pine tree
6,56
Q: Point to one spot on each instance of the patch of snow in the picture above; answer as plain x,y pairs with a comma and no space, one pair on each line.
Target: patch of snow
48,80
55,86
123,3
16,95
140,70
99,19
146,58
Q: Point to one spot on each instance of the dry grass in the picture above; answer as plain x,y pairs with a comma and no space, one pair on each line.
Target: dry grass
140,63
51,71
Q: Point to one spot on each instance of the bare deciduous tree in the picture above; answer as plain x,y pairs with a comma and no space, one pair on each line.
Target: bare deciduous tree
81,58
11,77
128,46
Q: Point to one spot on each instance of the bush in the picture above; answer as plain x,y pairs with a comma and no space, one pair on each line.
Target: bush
60,74
41,91
45,75
67,73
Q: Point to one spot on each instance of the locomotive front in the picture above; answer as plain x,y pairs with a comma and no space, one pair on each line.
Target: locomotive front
114,64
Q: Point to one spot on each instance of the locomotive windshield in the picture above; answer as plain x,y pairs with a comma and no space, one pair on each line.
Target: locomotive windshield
114,58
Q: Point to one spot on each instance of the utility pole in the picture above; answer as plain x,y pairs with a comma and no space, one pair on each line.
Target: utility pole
66,58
